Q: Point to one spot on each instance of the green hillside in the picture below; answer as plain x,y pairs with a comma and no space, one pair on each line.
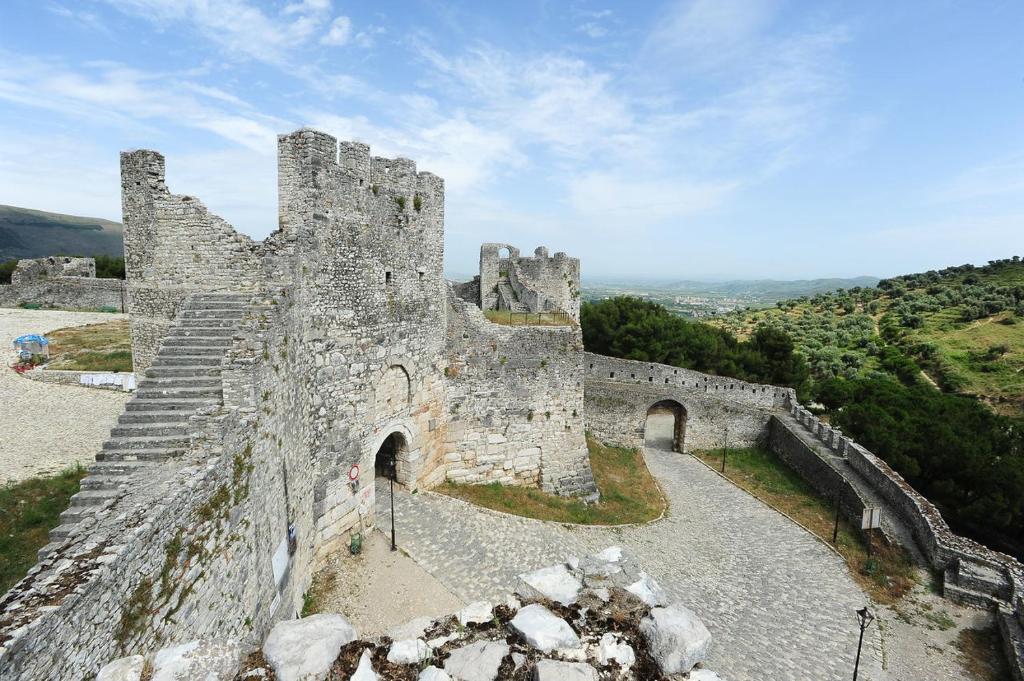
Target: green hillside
963,326
27,233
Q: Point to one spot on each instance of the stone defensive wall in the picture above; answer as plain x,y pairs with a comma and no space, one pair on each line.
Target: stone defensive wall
515,403
836,466
62,282
195,547
711,410
541,283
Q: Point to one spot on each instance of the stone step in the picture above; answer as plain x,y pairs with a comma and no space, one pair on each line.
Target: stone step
61,532
205,323
1012,633
178,393
201,331
182,360
139,455
115,469
964,595
102,482
146,442
983,579
151,429
178,416
180,382
233,313
196,342
192,350
48,549
182,371
219,305
186,405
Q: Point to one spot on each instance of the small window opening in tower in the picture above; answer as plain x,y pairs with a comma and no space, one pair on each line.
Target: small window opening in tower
420,273
387,277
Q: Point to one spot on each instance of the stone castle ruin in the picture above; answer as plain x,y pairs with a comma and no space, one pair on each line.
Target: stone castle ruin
280,378
63,282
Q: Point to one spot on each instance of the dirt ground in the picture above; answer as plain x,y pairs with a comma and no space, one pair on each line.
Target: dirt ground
380,588
47,427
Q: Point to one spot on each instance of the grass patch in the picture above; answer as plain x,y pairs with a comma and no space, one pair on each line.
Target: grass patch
629,493
95,347
313,600
528,318
886,576
28,510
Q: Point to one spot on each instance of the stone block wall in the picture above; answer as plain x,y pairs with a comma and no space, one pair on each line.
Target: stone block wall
66,293
33,269
541,283
717,410
173,246
514,403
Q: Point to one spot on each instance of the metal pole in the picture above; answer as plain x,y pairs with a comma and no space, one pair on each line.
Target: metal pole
725,448
856,664
392,483
835,529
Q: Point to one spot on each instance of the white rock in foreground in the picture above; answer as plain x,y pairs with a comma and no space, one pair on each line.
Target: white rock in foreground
476,613
556,583
676,637
305,649
543,629
364,672
123,669
412,629
207,660
610,649
409,651
553,670
612,554
476,662
433,674
648,590
704,675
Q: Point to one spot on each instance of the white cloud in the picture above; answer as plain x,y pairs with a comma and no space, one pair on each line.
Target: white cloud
239,26
1003,177
339,33
112,94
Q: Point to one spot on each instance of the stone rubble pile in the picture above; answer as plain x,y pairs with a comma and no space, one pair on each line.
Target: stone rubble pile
590,619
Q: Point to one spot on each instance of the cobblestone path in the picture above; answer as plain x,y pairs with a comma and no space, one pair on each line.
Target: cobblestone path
779,604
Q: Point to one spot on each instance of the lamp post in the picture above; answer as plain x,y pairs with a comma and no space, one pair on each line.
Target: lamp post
865,618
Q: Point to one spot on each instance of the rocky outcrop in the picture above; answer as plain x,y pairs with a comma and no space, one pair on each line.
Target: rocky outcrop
603,631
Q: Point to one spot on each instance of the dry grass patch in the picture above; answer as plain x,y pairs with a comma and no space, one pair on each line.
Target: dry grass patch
629,493
507,318
983,654
94,347
887,575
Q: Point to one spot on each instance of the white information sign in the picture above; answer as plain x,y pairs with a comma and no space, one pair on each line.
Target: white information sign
280,562
871,519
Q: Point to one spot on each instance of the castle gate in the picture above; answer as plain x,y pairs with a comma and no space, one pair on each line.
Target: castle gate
665,427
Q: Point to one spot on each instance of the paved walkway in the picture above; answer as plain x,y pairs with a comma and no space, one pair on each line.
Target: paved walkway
779,604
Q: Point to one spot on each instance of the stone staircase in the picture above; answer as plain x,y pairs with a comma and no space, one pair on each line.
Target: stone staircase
508,294
184,377
977,584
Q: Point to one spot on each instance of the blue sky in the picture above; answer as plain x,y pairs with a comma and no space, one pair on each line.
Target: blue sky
687,139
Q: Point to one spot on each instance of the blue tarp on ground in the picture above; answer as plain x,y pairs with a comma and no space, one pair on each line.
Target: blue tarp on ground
32,343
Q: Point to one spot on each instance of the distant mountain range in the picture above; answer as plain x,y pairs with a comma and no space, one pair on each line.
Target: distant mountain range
27,233
740,288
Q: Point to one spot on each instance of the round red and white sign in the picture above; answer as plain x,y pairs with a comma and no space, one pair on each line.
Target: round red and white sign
353,473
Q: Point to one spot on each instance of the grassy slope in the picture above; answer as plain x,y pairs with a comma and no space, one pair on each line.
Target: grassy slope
629,493
961,346
28,510
95,347
27,233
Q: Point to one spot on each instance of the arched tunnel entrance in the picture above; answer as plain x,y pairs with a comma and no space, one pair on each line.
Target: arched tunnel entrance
665,427
385,464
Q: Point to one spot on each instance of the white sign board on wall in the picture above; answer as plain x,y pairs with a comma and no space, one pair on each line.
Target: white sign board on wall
871,519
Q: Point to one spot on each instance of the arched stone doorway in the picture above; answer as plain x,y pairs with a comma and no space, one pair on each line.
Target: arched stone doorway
389,455
665,426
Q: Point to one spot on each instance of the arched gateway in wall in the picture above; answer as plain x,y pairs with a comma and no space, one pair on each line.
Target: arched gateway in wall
665,426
